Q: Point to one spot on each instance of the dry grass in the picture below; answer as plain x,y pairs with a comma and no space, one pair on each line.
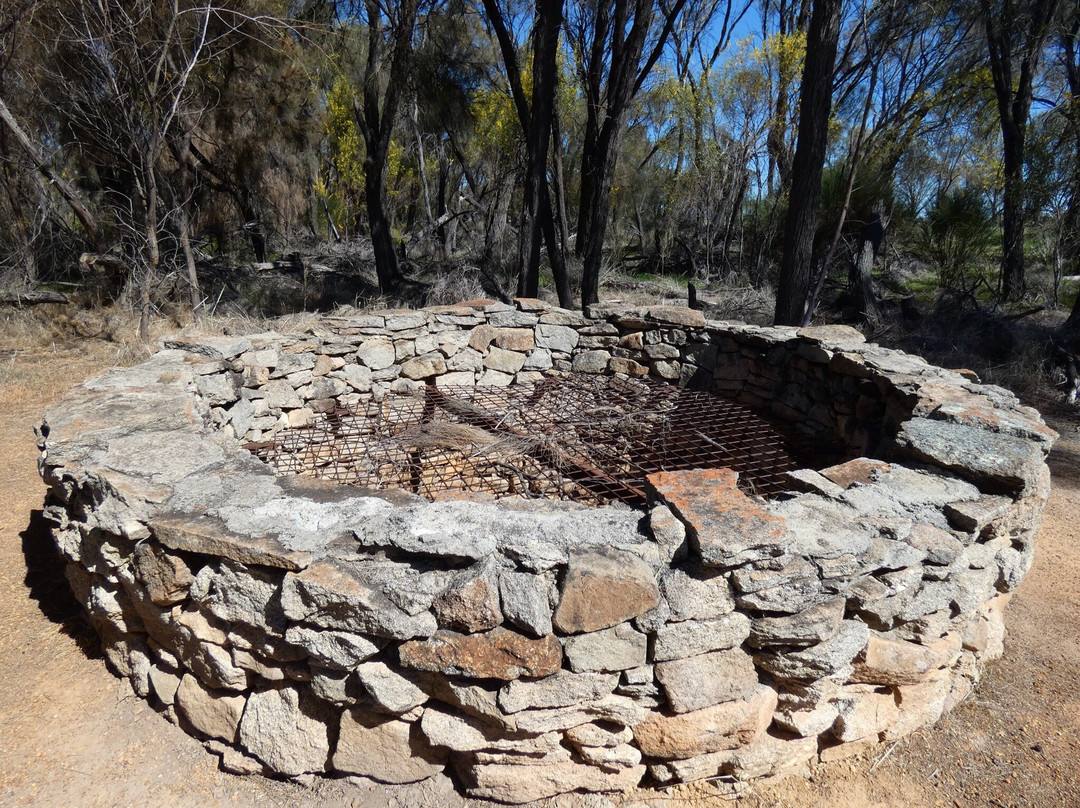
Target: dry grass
33,343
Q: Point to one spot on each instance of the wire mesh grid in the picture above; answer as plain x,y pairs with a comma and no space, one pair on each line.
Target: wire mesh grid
591,439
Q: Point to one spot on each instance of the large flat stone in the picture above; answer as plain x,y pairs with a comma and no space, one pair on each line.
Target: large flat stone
808,627
496,654
725,527
464,733
214,347
210,537
521,784
472,699
166,577
471,602
557,337
701,681
833,656
612,649
388,750
713,729
692,637
696,595
330,594
864,713
287,731
995,462
676,315
504,361
602,588
526,601
341,650
613,709
889,660
215,713
561,690
391,690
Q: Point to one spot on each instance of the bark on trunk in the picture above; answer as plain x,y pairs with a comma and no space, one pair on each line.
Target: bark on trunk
860,278
253,224
596,223
1013,282
539,217
556,257
152,257
1069,40
387,267
189,260
1015,35
815,103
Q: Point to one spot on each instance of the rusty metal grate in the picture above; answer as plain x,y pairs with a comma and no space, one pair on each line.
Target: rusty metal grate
592,439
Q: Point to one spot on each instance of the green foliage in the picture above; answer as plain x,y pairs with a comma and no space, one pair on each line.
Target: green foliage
346,144
957,237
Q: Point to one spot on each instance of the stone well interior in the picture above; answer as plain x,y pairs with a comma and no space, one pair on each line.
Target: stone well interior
616,596
583,437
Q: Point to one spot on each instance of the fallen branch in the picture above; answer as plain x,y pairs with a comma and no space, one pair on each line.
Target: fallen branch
32,298
1028,313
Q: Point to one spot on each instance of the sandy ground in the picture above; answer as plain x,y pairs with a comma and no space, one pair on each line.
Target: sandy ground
71,734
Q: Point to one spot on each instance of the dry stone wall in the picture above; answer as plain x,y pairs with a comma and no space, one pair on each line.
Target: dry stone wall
531,648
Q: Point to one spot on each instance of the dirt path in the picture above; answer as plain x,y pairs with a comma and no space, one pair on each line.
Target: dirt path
74,735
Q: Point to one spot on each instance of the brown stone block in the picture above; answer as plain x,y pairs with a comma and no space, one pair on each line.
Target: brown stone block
496,654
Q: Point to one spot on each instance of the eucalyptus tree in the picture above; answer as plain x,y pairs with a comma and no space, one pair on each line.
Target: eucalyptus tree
536,111
119,77
1016,33
910,72
1068,43
387,32
815,104
617,44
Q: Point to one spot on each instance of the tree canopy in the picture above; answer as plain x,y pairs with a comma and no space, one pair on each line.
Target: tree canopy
796,144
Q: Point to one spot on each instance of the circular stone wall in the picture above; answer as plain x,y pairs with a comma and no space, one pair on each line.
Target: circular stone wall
532,647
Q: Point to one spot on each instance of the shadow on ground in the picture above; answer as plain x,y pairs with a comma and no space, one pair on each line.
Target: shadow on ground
49,589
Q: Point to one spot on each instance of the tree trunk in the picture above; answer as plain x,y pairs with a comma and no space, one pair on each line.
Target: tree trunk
556,257
33,298
815,102
189,260
1069,39
588,182
387,267
313,205
860,278
596,227
560,184
1015,35
152,257
1012,214
541,115
253,224
442,232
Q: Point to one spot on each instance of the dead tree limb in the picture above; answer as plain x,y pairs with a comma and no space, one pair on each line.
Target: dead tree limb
41,165
32,298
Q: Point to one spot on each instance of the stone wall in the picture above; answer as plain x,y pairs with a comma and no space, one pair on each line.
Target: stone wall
535,647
